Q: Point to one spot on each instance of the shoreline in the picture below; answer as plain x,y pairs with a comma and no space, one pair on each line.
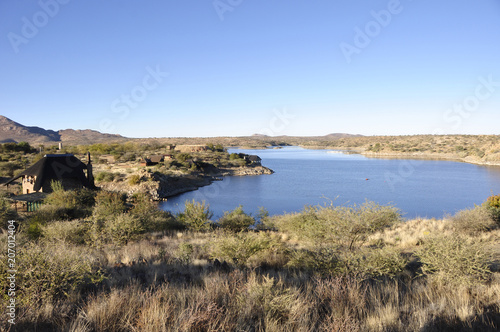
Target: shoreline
161,187
196,182
408,155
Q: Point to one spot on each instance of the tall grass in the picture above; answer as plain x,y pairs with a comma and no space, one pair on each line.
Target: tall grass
393,277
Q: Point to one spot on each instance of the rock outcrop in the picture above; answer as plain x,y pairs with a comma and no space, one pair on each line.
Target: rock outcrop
160,186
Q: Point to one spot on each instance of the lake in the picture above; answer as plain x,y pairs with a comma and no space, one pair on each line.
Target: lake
419,188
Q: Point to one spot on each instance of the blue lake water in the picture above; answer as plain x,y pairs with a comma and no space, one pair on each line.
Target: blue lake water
419,188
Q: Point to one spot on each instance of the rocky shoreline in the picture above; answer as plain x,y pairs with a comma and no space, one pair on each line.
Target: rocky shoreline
162,186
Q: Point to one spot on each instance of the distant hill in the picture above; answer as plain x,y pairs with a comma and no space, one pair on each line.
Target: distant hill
11,131
341,135
88,136
329,136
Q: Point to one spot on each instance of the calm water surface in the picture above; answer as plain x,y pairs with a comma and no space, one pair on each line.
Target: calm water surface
425,188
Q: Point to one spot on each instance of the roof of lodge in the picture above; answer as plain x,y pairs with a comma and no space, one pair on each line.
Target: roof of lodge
254,157
54,166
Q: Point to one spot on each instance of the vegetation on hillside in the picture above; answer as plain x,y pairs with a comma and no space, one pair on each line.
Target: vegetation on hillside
107,262
475,148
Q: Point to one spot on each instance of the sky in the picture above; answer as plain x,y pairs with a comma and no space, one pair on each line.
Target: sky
189,68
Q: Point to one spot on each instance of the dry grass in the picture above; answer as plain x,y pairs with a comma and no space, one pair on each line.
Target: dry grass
173,283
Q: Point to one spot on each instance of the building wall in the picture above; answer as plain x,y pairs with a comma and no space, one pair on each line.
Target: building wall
28,184
68,184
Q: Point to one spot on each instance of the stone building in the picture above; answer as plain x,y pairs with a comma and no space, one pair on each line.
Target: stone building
65,168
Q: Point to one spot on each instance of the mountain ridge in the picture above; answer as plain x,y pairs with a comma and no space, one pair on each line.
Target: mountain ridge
12,131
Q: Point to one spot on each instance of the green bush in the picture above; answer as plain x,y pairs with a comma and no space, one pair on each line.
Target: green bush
153,219
347,226
473,221
236,220
105,176
183,157
185,252
118,230
492,204
34,230
134,179
241,247
113,222
48,213
56,185
71,203
196,215
124,228
454,260
109,204
234,156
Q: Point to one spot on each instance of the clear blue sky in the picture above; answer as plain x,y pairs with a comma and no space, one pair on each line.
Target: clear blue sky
325,66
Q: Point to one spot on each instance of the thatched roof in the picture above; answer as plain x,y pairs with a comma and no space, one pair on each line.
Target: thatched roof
54,167
254,158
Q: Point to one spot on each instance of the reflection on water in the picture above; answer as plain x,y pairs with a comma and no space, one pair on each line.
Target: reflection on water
426,188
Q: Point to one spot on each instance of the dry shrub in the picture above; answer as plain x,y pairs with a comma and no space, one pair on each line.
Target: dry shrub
265,301
71,232
338,302
374,263
322,260
115,311
54,271
454,260
157,312
239,248
422,306
473,221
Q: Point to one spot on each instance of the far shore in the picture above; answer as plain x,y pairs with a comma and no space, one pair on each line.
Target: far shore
408,155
